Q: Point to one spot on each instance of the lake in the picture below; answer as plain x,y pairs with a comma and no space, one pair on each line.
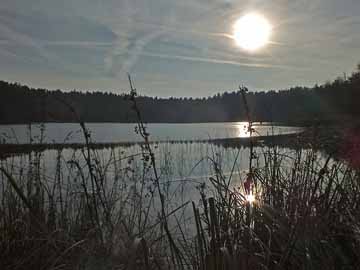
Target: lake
116,132
188,159
184,167
187,151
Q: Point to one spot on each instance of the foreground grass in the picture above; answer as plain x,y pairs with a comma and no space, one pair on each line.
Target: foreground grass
106,214
305,216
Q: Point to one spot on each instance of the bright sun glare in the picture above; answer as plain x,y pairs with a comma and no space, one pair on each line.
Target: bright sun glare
252,31
250,198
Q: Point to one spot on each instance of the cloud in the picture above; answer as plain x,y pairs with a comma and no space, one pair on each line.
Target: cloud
24,40
59,27
83,41
133,50
52,40
213,61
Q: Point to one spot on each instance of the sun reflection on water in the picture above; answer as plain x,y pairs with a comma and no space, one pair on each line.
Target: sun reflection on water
242,129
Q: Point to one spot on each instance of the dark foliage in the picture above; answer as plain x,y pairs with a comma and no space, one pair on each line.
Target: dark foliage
331,102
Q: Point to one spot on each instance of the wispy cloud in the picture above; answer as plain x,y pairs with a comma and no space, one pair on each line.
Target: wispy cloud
19,38
83,41
137,50
214,61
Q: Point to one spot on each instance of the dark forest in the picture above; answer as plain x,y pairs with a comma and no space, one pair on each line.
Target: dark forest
332,102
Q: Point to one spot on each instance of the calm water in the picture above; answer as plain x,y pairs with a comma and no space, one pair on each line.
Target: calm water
187,162
114,132
182,166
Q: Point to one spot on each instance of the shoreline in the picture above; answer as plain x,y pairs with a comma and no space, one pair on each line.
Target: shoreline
334,141
7,150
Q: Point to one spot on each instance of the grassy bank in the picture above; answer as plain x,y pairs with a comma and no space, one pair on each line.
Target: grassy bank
110,213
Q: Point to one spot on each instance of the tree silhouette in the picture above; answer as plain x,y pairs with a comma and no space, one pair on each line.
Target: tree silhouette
336,101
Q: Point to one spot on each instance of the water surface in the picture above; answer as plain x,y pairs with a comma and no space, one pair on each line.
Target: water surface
116,132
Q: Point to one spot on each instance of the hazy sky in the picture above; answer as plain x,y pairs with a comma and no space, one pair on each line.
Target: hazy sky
174,47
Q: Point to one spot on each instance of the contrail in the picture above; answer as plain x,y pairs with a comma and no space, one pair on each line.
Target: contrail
25,40
85,44
137,50
212,60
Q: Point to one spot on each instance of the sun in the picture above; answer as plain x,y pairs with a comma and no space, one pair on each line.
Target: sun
252,32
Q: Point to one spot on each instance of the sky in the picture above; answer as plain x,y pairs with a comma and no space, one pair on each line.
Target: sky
172,47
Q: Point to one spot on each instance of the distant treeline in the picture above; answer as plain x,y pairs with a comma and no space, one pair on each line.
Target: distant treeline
331,102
